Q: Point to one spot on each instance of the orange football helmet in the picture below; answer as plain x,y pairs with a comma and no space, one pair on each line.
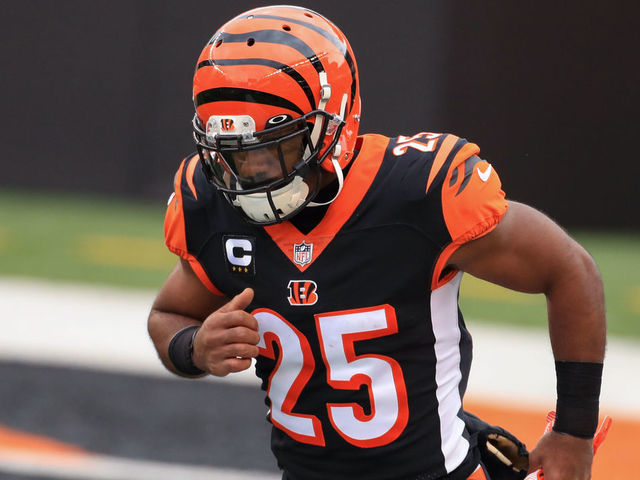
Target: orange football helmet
277,102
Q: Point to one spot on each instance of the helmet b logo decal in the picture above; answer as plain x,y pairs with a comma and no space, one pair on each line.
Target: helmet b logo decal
227,124
302,253
302,292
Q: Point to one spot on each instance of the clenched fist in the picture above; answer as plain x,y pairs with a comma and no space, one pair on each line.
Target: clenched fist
227,340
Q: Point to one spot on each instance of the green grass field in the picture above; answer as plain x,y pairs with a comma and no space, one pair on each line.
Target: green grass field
101,241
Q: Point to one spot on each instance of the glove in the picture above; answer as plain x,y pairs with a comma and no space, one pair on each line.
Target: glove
503,455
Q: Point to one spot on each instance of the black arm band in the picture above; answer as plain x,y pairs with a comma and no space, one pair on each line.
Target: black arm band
181,351
578,386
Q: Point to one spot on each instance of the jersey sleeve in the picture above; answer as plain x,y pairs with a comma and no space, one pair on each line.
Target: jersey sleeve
175,228
473,202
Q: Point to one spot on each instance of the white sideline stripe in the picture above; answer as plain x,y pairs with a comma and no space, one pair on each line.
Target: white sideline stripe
105,329
515,366
82,326
99,467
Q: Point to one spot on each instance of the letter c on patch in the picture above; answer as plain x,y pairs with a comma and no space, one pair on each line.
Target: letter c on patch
239,251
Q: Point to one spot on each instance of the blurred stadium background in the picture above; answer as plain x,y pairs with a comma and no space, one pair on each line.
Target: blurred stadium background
95,118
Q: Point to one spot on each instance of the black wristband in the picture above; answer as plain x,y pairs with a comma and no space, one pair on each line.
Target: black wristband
578,387
181,351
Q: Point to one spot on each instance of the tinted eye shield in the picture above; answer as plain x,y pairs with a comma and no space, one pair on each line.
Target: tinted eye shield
276,154
260,164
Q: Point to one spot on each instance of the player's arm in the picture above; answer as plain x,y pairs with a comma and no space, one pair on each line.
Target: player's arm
530,253
227,335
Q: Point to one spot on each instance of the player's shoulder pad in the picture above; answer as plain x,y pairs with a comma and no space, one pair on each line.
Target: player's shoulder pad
449,175
190,198
190,192
471,193
419,158
430,156
192,183
422,160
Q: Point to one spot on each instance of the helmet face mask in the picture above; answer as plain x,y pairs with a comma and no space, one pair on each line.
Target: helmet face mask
271,174
276,92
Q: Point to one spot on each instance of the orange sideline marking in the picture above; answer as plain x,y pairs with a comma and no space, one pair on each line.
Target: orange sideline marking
617,458
26,442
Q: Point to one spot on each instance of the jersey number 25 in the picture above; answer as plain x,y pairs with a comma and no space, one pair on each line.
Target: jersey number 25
337,332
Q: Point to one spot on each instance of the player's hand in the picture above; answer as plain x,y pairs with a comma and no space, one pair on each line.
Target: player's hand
562,457
227,340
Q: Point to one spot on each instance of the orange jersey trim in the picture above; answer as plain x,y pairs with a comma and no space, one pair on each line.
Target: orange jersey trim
356,185
202,275
174,227
478,474
443,152
190,172
472,203
174,230
483,229
436,281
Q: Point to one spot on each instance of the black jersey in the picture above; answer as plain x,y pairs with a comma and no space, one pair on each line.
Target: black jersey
364,354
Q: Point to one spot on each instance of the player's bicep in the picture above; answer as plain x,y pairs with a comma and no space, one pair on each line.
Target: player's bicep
183,293
524,252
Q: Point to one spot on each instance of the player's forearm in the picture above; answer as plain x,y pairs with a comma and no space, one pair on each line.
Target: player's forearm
162,326
578,334
575,301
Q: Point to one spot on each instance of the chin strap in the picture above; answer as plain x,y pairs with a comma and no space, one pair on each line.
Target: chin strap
339,174
335,156
325,95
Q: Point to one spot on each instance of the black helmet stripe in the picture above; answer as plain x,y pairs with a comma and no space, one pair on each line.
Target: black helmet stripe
273,36
230,94
333,39
328,35
299,79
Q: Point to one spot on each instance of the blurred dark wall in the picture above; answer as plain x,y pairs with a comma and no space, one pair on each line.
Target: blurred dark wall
97,95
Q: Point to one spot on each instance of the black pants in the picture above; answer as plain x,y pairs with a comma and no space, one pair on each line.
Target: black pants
285,476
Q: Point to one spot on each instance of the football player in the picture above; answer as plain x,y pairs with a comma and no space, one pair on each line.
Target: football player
334,260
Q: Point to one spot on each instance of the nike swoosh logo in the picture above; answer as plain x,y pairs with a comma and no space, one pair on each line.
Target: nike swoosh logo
484,176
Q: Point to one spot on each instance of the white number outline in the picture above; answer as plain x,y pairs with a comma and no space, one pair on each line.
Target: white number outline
288,379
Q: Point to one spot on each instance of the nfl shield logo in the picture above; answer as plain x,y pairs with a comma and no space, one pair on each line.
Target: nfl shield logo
302,253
